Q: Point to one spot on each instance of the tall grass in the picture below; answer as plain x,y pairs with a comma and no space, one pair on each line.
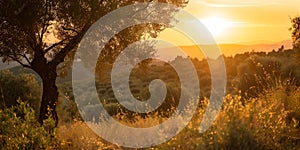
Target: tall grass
269,121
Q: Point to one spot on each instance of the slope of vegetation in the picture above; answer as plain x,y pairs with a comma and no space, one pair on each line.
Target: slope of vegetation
269,121
261,110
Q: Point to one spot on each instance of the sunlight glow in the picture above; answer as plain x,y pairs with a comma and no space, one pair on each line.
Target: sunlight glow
216,25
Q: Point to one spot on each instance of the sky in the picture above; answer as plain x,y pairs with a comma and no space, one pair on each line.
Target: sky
240,21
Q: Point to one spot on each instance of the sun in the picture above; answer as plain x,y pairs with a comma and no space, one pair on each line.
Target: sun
216,25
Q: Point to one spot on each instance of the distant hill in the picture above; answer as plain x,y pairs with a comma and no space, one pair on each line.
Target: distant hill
7,65
18,69
193,50
233,49
226,49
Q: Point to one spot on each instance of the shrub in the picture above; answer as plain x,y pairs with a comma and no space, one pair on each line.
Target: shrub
25,86
270,121
20,129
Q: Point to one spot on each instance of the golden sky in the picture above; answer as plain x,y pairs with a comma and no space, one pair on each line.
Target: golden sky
240,21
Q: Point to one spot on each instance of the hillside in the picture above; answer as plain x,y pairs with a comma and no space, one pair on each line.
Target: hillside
226,49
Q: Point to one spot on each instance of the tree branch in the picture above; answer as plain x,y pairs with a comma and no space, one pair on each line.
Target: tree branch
15,54
26,58
69,47
69,29
45,24
54,45
34,44
20,62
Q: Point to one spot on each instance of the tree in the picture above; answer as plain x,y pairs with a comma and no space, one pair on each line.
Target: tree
41,35
295,29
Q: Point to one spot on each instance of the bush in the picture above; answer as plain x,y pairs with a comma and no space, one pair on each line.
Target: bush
19,129
24,86
270,121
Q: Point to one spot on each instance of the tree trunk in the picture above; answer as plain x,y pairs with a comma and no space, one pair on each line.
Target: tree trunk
50,96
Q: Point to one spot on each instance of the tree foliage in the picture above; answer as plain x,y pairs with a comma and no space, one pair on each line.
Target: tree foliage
42,34
295,29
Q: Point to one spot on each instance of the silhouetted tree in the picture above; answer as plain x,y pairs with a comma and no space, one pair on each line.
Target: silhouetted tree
41,35
295,29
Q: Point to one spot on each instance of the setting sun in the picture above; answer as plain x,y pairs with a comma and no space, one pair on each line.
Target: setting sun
241,22
216,25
